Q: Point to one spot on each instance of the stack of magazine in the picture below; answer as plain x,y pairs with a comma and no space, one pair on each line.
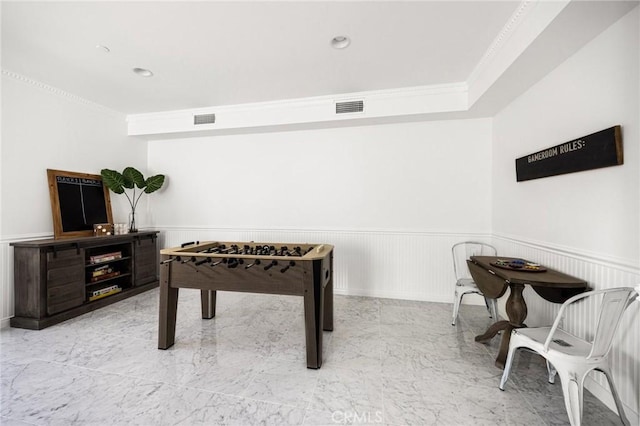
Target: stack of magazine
102,273
103,292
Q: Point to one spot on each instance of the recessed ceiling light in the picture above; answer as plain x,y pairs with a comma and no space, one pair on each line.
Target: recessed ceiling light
142,72
340,42
103,48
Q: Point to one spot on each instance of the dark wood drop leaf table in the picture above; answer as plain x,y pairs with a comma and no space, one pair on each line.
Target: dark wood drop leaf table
493,275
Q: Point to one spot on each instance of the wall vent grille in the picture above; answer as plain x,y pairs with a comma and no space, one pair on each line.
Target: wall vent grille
349,107
204,119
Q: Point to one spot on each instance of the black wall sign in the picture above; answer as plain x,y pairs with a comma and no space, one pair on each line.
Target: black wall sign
600,149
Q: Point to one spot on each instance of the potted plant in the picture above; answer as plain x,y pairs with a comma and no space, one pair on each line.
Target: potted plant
131,178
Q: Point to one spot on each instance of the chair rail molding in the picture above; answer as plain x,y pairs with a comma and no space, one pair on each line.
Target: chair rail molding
626,264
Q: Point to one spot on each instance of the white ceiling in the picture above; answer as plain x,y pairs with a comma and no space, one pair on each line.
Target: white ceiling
220,53
225,53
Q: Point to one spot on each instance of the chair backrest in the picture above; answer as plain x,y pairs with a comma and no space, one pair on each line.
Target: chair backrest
463,251
614,302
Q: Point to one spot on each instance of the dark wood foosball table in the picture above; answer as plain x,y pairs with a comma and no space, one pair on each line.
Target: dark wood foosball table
289,269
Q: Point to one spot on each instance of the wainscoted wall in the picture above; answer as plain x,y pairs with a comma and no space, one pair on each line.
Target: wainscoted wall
398,265
600,274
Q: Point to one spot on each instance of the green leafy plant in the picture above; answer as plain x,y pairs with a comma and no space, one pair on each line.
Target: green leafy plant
131,178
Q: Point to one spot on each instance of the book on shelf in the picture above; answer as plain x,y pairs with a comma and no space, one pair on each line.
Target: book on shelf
101,270
101,277
98,258
103,290
100,293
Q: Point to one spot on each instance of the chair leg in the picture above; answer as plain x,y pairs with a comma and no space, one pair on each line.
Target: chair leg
616,397
507,366
572,390
456,306
552,372
492,305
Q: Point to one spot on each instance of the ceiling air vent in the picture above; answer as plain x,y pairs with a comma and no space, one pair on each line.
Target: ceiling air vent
349,106
204,119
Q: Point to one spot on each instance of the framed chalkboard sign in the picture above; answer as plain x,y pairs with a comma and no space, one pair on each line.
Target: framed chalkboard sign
78,201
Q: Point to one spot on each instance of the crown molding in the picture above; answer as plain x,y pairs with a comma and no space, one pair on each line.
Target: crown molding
498,43
58,92
526,24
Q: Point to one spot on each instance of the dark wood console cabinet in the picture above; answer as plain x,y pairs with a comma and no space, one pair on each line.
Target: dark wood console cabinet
55,280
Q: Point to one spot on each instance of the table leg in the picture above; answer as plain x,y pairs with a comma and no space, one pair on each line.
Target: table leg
517,313
492,331
328,303
168,310
516,306
313,318
208,303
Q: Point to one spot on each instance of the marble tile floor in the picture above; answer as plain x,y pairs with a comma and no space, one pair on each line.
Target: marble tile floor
387,362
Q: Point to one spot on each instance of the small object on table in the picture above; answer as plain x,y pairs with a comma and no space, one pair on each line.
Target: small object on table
519,264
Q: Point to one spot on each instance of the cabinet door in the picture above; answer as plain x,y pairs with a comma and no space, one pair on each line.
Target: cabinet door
65,280
145,260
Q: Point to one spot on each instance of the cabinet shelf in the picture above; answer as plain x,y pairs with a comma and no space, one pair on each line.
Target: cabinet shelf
110,278
120,259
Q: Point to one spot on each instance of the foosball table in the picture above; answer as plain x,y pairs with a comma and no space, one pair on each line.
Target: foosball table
289,269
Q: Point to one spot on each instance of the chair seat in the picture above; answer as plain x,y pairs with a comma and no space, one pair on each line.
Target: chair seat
466,282
563,343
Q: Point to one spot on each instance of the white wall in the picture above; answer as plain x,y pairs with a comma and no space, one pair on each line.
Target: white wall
415,176
43,127
594,212
393,198
585,224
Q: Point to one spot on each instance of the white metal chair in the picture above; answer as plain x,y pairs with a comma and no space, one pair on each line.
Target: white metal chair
464,283
571,357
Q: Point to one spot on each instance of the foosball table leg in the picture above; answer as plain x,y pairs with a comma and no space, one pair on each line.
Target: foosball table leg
313,314
208,302
168,310
312,329
328,307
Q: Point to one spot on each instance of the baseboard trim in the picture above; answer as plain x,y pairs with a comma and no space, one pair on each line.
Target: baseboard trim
4,323
604,395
